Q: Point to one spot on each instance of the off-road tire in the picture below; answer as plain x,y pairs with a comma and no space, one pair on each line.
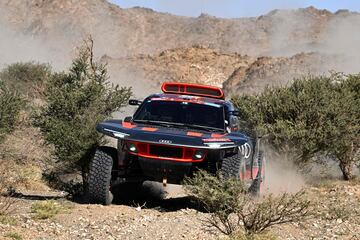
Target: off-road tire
100,176
233,166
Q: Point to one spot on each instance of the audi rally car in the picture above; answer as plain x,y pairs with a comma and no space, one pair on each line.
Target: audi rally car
171,135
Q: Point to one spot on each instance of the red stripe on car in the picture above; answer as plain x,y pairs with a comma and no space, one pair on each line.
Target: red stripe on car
149,129
216,135
194,134
128,125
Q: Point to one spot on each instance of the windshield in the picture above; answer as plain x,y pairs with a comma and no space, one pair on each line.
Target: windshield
186,113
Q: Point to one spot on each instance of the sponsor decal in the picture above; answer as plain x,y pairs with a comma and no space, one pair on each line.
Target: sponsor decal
163,141
245,149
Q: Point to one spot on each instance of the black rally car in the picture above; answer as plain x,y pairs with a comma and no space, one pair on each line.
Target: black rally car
171,135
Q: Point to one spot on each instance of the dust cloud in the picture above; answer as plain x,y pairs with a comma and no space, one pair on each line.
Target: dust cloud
333,35
281,173
342,38
18,47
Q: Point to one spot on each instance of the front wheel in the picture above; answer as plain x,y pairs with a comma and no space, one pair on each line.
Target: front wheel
99,181
233,166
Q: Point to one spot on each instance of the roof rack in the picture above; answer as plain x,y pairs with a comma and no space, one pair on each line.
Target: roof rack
192,89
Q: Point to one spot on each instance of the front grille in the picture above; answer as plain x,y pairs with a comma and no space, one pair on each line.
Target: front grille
165,151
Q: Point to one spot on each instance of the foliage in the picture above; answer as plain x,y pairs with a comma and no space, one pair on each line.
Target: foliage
28,78
231,209
13,235
7,203
76,101
47,209
259,236
314,115
6,206
10,105
8,220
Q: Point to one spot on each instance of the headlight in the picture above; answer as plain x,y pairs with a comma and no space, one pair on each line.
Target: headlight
131,147
199,154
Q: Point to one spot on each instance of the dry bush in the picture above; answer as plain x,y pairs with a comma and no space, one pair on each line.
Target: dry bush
6,202
48,209
260,214
6,206
260,236
13,235
232,210
28,78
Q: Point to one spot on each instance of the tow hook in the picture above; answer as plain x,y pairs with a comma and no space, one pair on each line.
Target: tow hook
164,182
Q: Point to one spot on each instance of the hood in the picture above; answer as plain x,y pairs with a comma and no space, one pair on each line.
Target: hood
170,136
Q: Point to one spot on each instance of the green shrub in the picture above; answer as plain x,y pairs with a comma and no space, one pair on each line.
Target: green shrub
13,235
10,105
76,101
233,212
258,236
6,219
28,78
47,209
314,115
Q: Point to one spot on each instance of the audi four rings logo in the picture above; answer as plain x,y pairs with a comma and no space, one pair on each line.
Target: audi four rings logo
245,149
165,141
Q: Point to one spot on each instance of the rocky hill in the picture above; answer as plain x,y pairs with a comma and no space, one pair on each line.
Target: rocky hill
138,30
144,46
197,64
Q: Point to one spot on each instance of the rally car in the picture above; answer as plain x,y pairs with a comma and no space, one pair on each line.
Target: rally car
170,136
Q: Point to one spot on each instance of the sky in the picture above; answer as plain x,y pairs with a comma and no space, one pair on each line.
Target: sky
235,8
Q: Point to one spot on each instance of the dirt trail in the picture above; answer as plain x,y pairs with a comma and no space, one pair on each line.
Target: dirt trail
178,218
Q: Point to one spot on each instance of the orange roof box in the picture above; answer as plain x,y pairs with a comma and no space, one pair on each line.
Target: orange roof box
193,89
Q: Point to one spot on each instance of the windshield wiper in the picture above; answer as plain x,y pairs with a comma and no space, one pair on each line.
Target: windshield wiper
161,123
206,128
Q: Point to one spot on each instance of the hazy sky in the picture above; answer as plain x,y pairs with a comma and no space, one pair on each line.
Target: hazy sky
235,8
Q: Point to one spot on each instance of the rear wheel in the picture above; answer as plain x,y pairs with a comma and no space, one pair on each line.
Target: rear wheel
100,176
257,185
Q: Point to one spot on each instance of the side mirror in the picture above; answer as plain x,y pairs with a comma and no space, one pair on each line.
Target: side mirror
134,102
127,119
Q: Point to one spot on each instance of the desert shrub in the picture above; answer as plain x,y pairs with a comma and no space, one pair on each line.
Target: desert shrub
314,115
28,78
8,220
13,235
48,209
6,202
10,105
76,101
232,210
259,236
6,206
